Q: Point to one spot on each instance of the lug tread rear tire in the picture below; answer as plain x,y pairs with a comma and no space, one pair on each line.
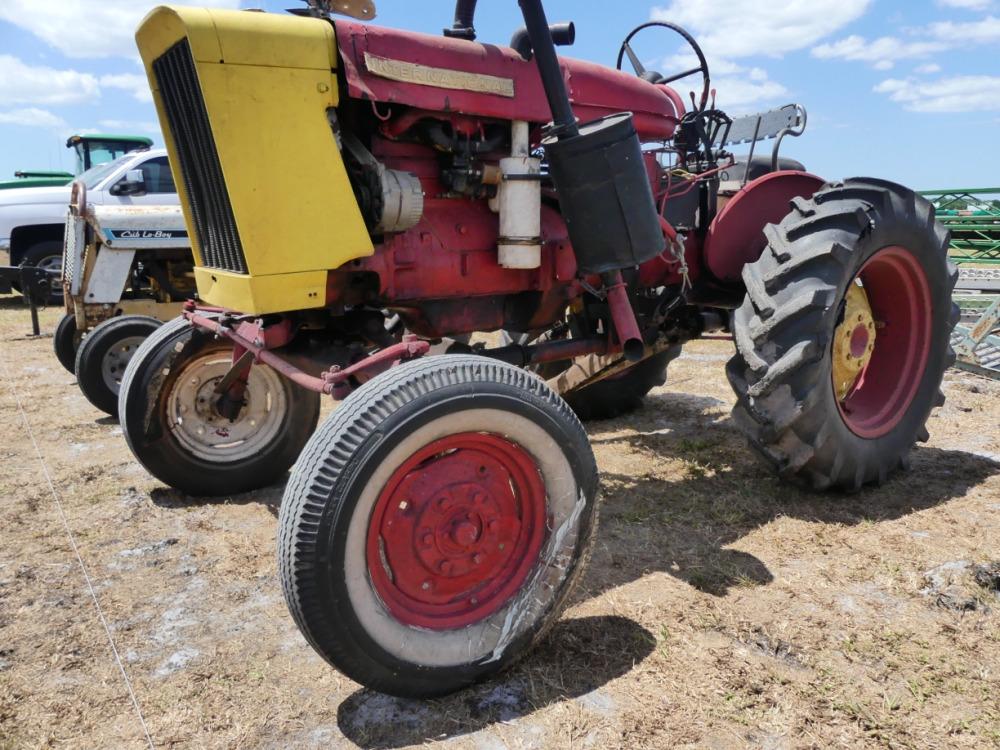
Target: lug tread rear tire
616,397
780,372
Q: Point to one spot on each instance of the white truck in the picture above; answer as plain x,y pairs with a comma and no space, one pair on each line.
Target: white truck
33,219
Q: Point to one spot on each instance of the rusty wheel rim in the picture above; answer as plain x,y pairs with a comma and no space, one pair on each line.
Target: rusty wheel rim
886,346
456,531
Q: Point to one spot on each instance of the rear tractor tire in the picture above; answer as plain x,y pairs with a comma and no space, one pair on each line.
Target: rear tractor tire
102,357
612,397
843,338
167,410
435,525
622,394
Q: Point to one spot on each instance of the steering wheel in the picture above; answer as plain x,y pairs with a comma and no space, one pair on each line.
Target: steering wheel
651,75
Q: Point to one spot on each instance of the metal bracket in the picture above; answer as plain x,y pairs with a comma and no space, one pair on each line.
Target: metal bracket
36,284
240,366
978,348
764,125
336,380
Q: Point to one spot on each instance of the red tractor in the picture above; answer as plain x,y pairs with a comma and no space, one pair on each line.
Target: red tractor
407,190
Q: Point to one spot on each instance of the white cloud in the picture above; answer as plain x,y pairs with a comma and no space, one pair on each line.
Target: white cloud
733,29
984,31
883,52
29,84
955,94
741,28
32,117
130,126
966,4
929,68
83,28
737,85
736,94
136,85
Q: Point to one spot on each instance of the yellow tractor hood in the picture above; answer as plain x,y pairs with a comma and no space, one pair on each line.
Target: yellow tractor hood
244,101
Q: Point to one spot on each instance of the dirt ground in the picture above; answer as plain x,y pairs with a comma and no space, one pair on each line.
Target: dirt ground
722,609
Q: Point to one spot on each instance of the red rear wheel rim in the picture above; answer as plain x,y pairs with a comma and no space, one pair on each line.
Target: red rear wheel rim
456,531
901,304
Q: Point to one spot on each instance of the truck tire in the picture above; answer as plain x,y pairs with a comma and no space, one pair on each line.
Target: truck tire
65,342
102,357
166,410
47,254
436,523
843,338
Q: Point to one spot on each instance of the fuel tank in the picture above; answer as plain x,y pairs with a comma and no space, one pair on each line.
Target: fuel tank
443,74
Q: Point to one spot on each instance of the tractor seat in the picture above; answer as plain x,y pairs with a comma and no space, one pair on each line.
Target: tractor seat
760,165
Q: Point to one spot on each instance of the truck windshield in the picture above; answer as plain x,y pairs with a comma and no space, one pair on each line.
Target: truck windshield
92,153
95,175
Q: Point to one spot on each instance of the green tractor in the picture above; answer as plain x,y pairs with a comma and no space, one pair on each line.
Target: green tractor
90,150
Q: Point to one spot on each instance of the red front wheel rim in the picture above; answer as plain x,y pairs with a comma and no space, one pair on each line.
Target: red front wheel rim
901,305
456,531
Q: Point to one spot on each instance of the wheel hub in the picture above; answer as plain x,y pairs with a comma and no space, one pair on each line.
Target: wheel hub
853,341
876,379
196,422
456,531
116,360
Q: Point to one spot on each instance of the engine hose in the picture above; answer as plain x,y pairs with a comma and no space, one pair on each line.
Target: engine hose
463,27
453,143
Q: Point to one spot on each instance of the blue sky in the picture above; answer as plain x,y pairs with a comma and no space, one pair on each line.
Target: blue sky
908,91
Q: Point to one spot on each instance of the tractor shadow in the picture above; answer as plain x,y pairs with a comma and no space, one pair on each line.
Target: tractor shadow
13,301
681,521
269,497
573,662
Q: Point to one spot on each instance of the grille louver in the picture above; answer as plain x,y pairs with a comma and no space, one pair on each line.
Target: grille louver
187,117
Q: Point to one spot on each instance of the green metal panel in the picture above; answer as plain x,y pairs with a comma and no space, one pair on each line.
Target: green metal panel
23,182
139,140
973,217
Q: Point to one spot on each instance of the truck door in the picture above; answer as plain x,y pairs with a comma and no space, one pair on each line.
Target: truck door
148,182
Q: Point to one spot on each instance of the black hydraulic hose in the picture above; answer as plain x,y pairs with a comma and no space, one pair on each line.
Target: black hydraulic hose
463,26
548,67
563,35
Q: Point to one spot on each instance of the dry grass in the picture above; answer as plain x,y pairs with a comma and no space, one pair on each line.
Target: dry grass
722,609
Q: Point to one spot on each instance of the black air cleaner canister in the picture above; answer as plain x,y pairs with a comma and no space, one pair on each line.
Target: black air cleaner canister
605,195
